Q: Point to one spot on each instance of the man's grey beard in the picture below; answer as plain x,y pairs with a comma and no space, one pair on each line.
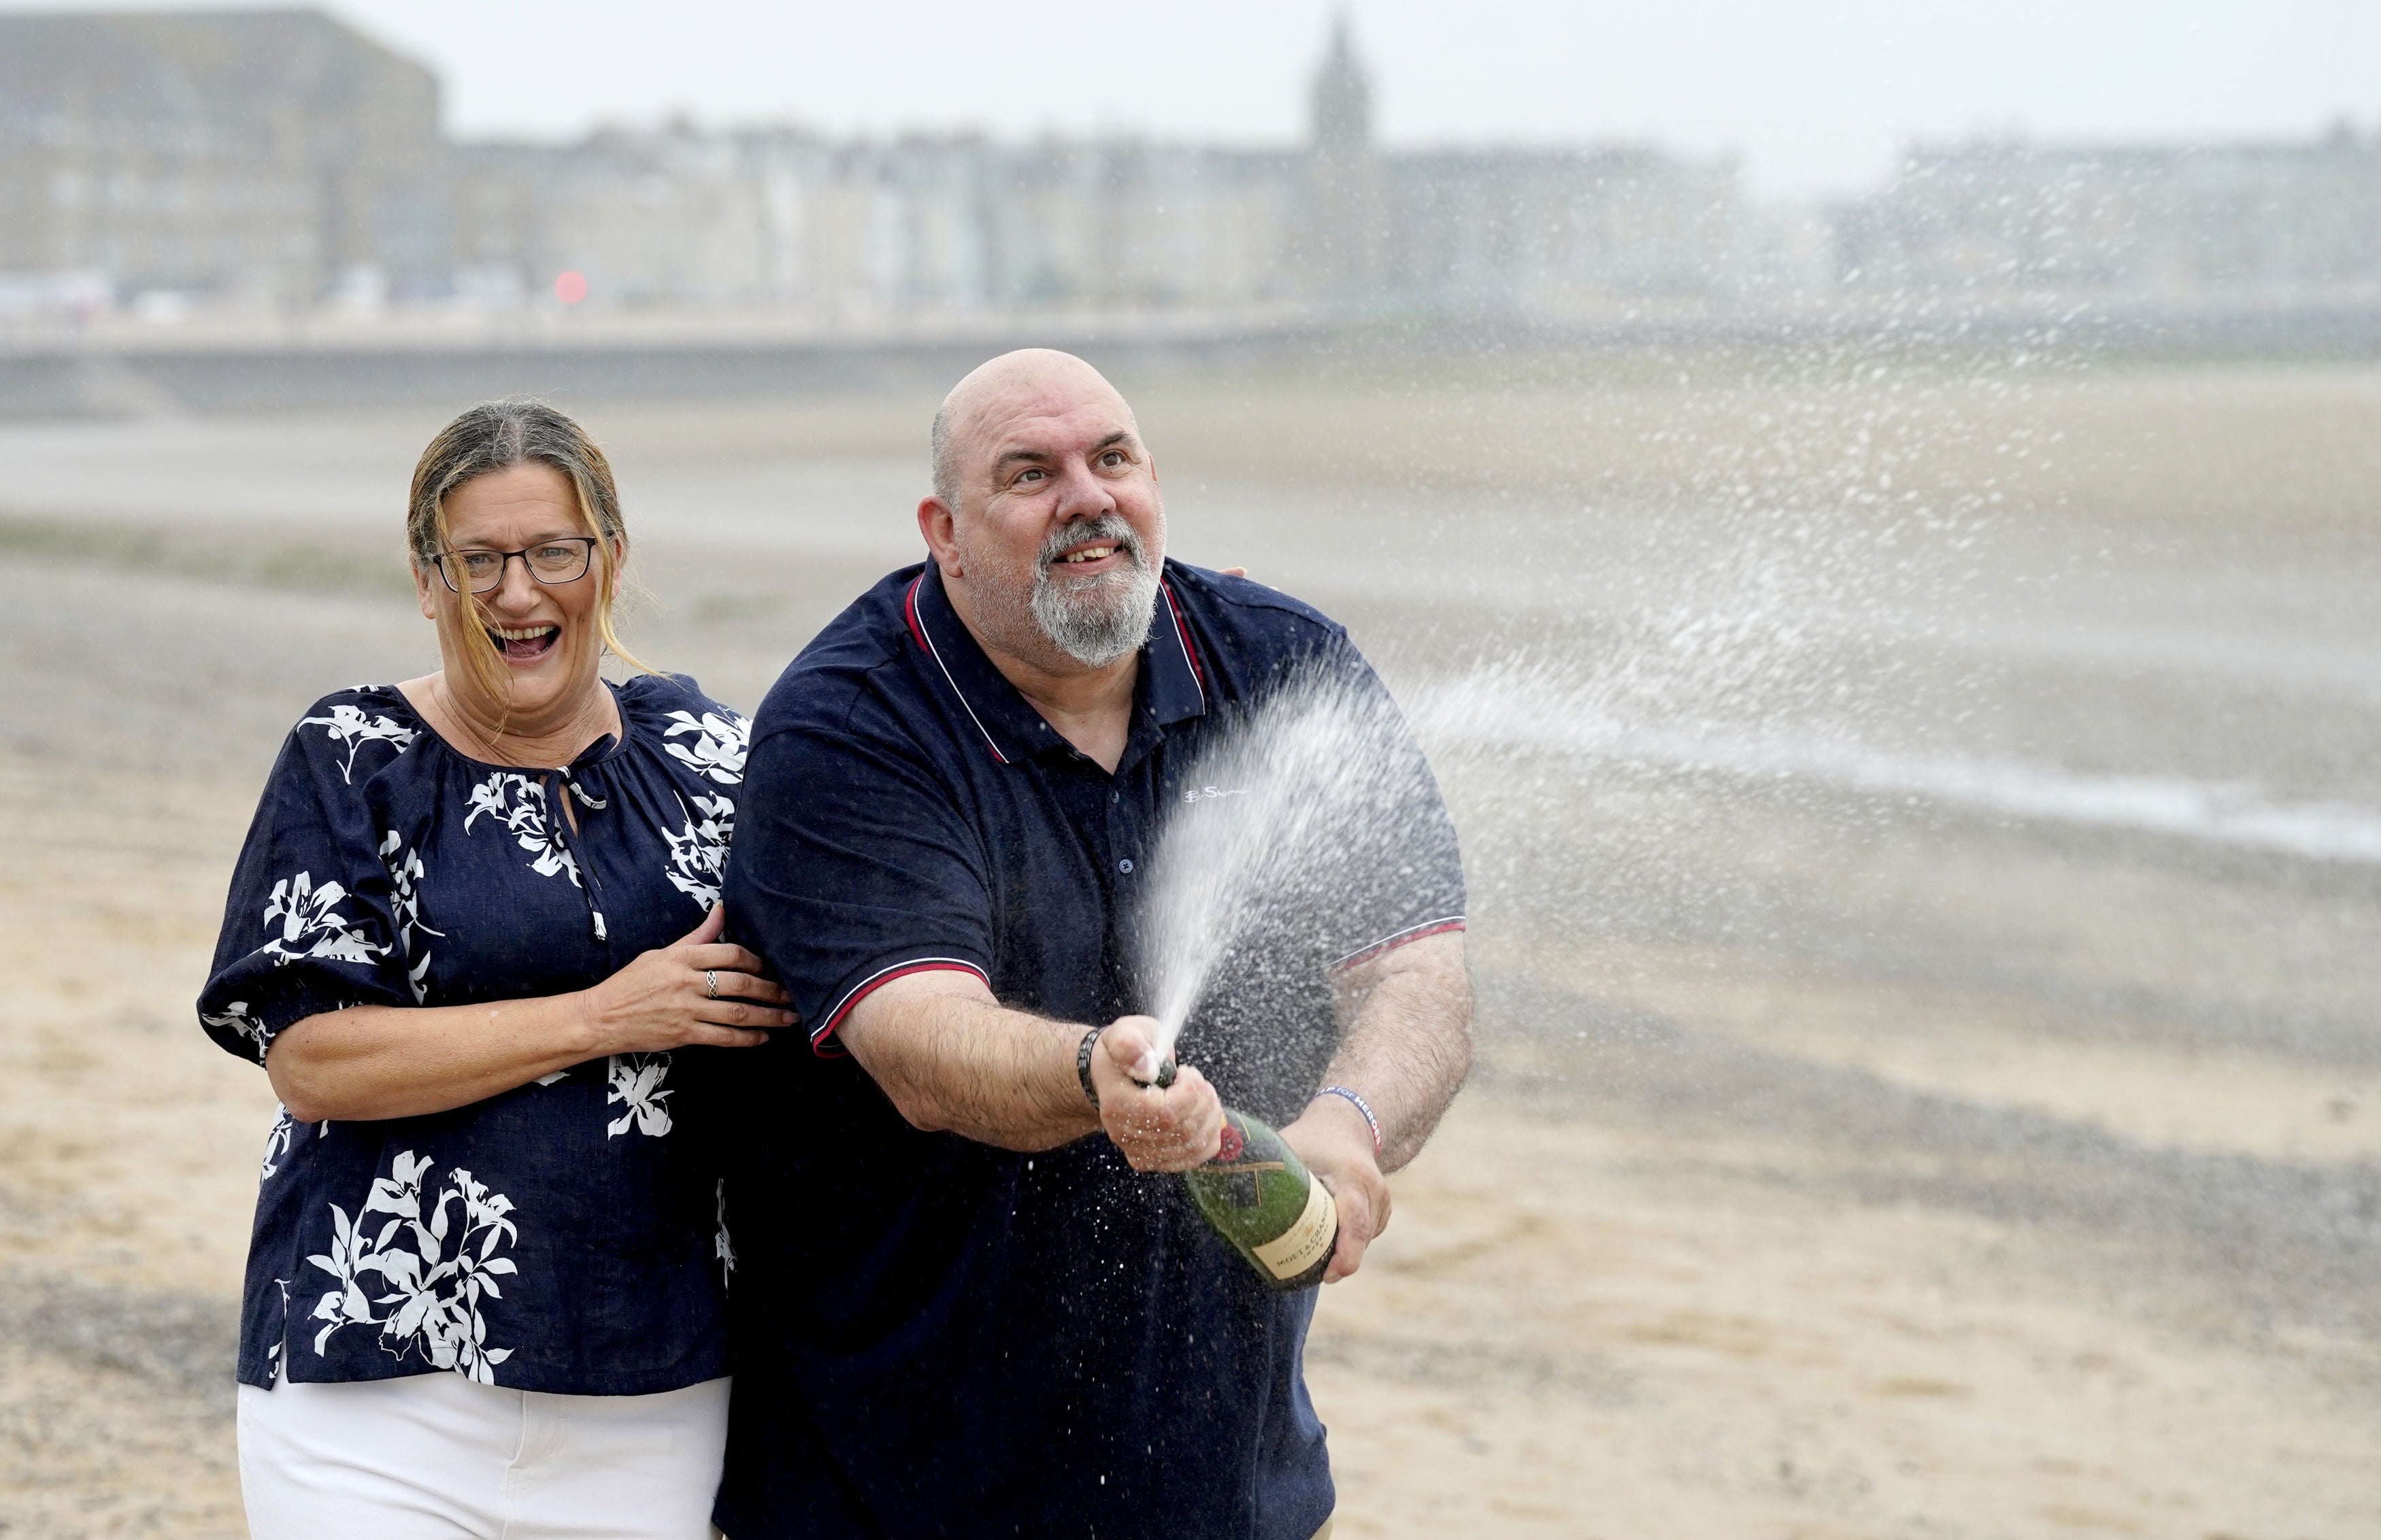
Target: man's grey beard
1095,621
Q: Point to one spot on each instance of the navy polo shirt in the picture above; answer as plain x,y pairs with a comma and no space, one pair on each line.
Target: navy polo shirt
934,1337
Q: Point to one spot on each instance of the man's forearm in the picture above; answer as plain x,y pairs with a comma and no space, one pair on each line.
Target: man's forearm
954,1060
1405,1040
966,1065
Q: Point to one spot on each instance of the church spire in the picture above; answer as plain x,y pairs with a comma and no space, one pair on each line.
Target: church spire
1342,95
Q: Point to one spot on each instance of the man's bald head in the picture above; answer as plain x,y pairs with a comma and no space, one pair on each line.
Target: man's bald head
1015,383
1045,517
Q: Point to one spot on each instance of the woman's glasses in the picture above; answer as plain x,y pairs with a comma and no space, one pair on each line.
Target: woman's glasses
549,561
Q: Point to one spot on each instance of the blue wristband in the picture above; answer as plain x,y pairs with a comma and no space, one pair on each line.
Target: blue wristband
1361,1105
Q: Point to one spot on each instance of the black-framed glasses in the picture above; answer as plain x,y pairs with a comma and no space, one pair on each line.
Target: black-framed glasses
549,561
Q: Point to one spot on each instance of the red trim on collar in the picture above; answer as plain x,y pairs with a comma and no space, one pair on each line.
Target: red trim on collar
909,611
918,630
1182,635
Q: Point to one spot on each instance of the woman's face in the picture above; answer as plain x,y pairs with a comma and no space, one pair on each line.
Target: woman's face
545,632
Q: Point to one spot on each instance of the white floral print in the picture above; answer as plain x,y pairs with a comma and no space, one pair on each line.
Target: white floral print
637,1081
273,1347
430,1290
311,925
235,1018
720,741
698,854
405,901
722,1247
453,1255
276,1145
350,725
518,803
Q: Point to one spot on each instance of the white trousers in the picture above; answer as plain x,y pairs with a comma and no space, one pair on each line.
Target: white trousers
434,1457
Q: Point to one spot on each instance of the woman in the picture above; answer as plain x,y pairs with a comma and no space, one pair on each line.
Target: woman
475,917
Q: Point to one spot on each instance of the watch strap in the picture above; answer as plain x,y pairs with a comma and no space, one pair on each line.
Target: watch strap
1083,1065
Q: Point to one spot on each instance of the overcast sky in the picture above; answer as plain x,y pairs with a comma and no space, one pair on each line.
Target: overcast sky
1814,94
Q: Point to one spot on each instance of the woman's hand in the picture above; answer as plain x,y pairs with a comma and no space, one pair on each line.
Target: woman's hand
665,998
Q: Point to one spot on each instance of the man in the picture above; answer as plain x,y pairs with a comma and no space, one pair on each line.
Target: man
964,1302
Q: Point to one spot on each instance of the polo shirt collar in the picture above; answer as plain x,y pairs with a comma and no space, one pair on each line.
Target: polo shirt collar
1172,686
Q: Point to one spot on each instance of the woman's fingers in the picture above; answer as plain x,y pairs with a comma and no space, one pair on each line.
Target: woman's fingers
736,987
725,957
736,1013
735,1004
743,986
725,1037
708,932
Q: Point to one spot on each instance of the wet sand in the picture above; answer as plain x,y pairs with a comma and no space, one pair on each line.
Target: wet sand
1836,1165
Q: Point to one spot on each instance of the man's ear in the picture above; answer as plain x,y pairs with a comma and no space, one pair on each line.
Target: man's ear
934,521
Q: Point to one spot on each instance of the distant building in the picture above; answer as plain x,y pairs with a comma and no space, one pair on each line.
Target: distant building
2007,220
861,231
1561,232
279,160
275,162
269,157
1554,232
665,219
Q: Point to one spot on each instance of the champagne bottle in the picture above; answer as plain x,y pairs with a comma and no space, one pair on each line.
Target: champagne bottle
1260,1196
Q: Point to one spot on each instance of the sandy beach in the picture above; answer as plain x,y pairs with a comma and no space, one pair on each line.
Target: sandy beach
1927,889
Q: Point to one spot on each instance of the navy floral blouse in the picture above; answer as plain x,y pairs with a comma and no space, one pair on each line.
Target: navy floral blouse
568,1235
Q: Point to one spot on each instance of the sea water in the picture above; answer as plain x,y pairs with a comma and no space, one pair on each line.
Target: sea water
1303,801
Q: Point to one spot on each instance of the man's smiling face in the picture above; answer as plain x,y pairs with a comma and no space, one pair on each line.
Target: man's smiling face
1058,524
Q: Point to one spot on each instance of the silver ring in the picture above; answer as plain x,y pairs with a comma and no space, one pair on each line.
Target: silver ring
710,983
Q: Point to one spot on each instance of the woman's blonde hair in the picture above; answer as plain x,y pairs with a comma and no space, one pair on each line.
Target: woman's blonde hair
498,435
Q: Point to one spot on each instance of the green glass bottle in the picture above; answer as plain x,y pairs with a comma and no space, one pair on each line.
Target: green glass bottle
1261,1197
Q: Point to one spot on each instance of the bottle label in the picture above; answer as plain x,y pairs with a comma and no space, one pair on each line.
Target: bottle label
1308,1237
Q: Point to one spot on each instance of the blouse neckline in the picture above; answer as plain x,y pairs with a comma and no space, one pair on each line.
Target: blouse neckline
595,753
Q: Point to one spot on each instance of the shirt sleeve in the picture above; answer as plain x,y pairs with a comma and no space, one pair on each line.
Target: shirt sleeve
308,926
1403,877
854,866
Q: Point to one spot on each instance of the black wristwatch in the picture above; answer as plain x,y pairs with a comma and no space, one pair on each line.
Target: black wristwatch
1083,1065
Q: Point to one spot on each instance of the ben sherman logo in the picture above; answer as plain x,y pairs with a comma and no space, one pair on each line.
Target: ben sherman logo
1209,793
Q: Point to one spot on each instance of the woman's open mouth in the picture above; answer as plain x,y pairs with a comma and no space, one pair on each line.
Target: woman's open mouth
524,644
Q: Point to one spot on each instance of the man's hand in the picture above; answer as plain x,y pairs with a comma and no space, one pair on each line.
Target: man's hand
1337,1145
1172,1130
